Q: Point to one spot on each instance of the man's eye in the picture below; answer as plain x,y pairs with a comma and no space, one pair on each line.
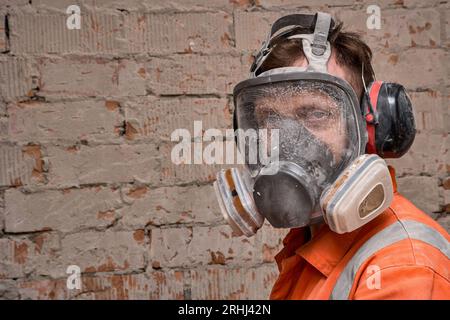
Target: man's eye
312,114
318,115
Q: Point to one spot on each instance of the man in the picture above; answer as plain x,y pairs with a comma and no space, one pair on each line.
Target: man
353,236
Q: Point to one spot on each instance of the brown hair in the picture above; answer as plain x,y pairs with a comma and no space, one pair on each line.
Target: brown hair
349,49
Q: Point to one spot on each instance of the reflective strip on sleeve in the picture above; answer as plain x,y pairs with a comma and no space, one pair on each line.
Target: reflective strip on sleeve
396,232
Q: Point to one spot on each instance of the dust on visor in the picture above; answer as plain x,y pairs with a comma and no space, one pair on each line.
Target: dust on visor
316,167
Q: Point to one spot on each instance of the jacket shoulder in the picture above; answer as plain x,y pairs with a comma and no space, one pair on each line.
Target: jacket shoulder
424,243
403,209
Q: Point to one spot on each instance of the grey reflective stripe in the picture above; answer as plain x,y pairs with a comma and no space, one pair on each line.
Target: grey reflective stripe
396,232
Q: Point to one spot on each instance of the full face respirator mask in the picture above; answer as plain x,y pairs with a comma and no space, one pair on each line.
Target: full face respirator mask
320,158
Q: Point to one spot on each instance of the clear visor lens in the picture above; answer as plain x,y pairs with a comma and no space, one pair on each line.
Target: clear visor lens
314,121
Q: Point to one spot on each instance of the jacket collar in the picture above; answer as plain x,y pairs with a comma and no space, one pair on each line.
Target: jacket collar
326,249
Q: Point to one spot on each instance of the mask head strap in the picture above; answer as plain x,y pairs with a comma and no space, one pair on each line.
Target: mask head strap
323,23
293,20
316,47
294,24
371,114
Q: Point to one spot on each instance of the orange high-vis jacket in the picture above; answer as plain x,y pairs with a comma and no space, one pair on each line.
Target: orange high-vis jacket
401,254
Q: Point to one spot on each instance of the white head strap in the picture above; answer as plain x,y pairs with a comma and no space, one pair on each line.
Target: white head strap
316,46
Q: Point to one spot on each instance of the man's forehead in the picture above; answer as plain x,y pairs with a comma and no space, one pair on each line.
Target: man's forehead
334,69
308,97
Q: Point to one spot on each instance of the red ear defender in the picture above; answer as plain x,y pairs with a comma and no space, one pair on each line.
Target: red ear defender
388,112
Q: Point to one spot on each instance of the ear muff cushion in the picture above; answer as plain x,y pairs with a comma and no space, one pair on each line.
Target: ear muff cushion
396,129
395,132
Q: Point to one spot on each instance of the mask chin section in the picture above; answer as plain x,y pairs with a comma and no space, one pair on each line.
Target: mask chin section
232,188
284,196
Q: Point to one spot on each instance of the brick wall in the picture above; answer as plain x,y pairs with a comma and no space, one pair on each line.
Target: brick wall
85,123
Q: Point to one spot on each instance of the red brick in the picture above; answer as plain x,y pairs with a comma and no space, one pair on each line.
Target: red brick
429,108
107,164
178,33
413,189
186,247
78,77
414,68
233,284
425,156
48,33
16,81
63,121
63,210
32,254
195,74
156,119
101,251
169,205
155,285
20,165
